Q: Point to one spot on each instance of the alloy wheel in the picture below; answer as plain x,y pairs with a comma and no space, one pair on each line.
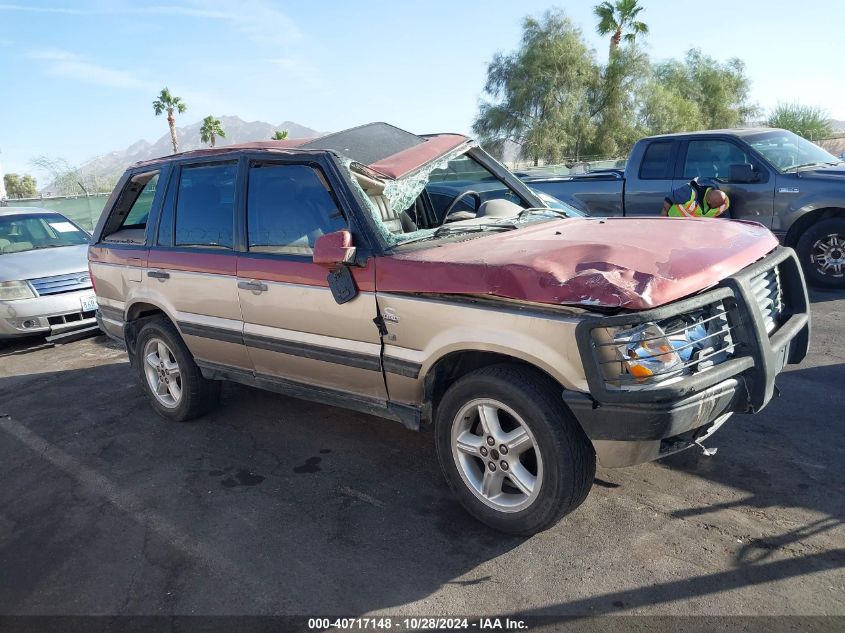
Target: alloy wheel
828,255
497,455
163,374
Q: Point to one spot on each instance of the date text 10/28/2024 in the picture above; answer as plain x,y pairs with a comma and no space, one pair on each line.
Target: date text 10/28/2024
416,623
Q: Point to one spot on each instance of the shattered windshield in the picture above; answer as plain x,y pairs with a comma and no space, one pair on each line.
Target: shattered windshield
453,195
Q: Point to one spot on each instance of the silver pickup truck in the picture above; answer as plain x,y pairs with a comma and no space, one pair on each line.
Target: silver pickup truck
774,177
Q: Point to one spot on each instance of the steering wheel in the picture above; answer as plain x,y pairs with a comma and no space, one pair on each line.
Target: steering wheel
464,194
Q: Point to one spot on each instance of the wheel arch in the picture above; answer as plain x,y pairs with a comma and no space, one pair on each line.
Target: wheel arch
807,220
138,313
453,365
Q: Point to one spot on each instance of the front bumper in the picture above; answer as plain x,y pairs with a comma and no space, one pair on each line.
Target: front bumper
630,427
50,314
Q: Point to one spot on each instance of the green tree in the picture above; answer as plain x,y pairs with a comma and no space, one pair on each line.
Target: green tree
664,110
279,135
619,20
20,186
539,95
719,90
210,130
614,102
169,103
811,122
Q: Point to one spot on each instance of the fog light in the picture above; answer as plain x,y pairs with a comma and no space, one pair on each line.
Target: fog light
29,323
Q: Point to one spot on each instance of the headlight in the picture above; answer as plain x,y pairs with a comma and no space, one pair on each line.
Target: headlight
680,345
11,290
647,352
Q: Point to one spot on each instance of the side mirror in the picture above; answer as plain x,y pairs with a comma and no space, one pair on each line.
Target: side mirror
334,249
743,173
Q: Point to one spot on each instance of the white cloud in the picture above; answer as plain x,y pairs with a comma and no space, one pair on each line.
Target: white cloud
72,66
258,20
37,9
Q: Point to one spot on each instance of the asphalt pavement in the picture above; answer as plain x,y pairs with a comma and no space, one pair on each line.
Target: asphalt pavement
271,505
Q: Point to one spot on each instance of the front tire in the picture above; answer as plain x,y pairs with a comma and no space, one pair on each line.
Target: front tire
511,451
821,250
169,376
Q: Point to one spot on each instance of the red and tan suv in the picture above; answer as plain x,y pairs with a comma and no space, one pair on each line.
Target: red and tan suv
415,278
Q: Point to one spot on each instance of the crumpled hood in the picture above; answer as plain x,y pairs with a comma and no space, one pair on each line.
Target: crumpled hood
45,262
634,263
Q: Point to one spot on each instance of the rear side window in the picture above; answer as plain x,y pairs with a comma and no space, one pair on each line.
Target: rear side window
205,206
288,208
655,165
128,219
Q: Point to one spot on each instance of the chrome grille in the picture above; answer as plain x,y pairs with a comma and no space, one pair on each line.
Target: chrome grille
768,294
61,283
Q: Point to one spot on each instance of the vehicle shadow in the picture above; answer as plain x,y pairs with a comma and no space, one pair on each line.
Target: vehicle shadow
271,505
267,505
822,295
786,464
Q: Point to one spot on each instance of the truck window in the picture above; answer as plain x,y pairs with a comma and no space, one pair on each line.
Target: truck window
655,165
288,208
205,206
128,219
712,159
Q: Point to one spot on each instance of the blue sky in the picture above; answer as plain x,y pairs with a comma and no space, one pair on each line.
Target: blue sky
77,78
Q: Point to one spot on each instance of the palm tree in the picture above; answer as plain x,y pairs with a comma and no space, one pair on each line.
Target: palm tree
619,18
167,102
280,135
210,130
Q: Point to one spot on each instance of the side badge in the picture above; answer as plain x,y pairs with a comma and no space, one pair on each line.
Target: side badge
390,315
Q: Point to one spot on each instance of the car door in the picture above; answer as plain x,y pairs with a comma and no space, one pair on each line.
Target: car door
293,327
644,193
711,158
192,268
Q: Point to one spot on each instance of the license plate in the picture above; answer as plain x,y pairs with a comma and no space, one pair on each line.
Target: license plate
89,302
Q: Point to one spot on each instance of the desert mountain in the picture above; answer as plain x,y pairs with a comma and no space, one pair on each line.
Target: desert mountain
108,167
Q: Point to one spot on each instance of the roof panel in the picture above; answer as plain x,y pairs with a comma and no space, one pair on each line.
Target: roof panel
367,144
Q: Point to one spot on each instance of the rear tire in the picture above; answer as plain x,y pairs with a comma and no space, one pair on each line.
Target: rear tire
511,451
821,250
169,376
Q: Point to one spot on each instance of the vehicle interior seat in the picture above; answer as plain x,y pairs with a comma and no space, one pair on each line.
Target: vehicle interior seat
395,222
3,243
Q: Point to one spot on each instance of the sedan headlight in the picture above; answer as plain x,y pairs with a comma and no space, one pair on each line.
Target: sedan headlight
11,290
656,351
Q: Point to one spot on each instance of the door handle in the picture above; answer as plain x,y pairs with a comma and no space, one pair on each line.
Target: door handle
255,286
158,274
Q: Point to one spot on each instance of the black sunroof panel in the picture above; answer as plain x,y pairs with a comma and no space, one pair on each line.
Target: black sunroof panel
367,144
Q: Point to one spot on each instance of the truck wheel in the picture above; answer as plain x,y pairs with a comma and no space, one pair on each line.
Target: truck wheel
821,250
511,451
169,375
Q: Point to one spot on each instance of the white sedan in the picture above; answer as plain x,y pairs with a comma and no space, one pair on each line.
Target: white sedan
44,283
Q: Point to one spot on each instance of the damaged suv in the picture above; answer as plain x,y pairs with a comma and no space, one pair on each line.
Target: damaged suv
415,278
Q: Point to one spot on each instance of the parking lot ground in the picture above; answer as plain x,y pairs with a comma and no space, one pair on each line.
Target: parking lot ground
276,506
